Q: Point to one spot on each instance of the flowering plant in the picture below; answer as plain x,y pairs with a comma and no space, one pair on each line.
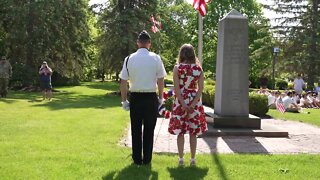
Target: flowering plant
166,108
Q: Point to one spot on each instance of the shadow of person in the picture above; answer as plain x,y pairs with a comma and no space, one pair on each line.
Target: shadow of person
188,172
133,171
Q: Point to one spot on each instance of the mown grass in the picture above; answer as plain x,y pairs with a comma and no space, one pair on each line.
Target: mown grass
312,118
77,135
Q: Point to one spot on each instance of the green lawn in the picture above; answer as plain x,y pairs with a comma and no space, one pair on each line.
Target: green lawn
76,136
312,118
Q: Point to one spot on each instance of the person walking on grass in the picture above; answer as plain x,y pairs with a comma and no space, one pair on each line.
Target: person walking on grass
187,112
145,71
5,75
45,73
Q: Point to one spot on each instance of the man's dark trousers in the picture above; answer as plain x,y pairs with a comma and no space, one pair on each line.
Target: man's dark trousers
143,111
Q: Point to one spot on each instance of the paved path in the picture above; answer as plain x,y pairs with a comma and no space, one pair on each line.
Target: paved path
303,138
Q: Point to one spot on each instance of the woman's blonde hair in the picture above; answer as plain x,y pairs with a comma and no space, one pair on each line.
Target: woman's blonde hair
187,55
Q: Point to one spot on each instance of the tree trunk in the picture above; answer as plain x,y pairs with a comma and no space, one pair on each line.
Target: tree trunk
30,36
313,54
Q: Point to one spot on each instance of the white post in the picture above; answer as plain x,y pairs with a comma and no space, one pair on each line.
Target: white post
200,39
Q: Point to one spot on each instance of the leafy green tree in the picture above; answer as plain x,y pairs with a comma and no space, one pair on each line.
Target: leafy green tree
299,32
55,31
179,27
259,36
120,22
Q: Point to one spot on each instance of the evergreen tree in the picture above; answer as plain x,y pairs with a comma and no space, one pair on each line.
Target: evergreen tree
55,31
259,36
299,32
121,21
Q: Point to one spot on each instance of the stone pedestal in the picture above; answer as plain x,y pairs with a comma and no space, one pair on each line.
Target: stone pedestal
252,122
232,90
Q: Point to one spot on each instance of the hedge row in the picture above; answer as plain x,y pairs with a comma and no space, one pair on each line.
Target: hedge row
258,104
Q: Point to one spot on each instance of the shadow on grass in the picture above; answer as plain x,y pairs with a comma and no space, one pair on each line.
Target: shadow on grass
212,143
220,167
133,172
107,85
188,172
245,145
23,95
8,101
32,96
82,101
66,99
237,144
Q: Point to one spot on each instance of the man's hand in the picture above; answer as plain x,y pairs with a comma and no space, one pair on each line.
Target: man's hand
160,100
125,105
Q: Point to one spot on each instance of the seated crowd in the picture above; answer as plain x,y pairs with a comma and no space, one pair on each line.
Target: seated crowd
292,101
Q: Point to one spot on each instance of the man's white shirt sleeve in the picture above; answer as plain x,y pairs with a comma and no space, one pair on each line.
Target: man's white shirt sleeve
161,71
124,73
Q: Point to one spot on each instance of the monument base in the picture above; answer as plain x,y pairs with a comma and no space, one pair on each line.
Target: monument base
252,122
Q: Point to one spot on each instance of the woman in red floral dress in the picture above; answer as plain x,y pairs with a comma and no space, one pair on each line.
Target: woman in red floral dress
187,112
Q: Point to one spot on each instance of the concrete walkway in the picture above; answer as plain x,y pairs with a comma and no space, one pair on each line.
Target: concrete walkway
303,138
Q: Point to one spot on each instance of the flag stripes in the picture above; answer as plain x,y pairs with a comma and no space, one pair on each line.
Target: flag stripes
200,5
280,106
156,25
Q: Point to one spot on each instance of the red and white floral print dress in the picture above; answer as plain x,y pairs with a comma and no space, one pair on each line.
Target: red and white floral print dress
180,121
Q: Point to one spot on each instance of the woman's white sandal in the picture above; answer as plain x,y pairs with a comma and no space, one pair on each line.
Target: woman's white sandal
193,162
181,162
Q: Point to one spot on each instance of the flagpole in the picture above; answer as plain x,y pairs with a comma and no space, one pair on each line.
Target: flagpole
159,45
200,38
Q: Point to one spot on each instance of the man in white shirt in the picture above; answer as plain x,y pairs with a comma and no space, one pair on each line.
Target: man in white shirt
145,72
298,85
289,104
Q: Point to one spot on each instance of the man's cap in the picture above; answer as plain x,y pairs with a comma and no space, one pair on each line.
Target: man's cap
3,58
144,35
44,62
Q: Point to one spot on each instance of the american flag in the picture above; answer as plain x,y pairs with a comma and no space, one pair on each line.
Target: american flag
156,25
280,106
200,5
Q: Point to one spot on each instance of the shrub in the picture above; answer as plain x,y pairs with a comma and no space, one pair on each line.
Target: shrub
290,85
209,75
23,76
254,82
208,95
210,82
258,104
282,84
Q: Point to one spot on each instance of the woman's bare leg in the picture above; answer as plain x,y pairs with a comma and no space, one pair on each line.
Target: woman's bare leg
49,94
193,145
180,143
44,94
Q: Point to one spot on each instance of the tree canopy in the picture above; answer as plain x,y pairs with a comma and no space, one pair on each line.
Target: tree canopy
79,43
298,34
179,20
55,31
